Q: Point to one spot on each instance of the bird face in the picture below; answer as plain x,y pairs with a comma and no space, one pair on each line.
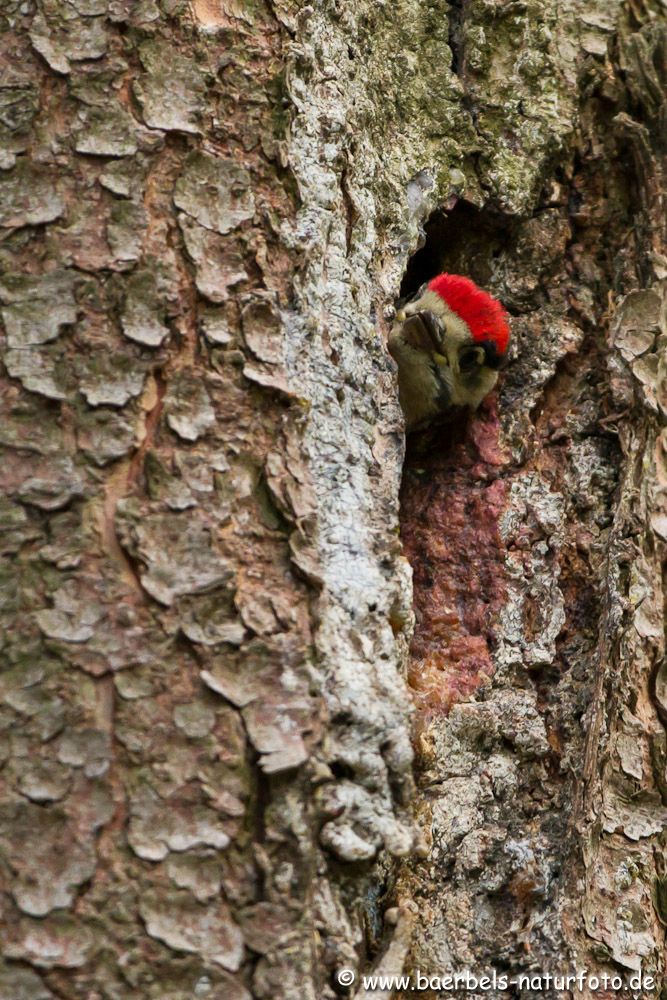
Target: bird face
441,364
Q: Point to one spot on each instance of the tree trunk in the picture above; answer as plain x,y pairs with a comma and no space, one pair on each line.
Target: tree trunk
216,694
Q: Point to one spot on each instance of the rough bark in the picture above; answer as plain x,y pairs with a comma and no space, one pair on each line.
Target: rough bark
207,211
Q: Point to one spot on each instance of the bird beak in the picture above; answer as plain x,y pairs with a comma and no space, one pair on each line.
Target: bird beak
423,331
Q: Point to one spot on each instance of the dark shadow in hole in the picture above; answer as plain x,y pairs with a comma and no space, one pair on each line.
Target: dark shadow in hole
341,770
443,437
455,16
463,240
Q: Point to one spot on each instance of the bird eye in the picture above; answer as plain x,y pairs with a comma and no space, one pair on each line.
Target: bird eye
471,359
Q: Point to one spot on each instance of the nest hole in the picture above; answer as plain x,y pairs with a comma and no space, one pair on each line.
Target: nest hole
462,239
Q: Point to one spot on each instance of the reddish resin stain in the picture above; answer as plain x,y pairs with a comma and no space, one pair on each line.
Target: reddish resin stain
451,501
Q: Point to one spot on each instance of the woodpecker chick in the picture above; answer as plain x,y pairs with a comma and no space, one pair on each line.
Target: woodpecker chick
449,343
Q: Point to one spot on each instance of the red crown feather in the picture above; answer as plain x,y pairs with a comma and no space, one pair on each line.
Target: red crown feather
484,315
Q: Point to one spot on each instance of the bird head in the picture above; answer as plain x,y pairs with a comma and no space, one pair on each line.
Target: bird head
449,343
